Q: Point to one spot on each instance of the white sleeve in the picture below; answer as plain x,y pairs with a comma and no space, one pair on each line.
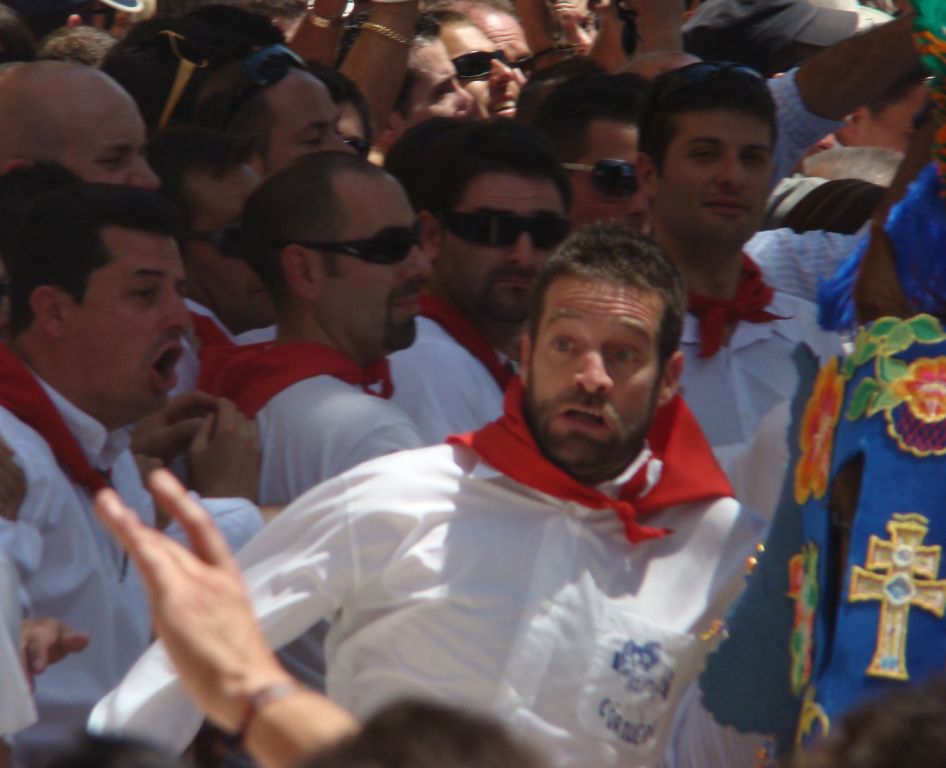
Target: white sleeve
16,702
798,128
239,520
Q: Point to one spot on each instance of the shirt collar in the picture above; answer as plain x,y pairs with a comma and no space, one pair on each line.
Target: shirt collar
101,447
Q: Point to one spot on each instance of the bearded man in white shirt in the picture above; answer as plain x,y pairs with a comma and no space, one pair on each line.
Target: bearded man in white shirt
559,568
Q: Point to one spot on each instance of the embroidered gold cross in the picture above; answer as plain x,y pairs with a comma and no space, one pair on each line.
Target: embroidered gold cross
906,578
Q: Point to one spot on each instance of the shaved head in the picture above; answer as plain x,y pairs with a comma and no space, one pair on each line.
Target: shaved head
74,115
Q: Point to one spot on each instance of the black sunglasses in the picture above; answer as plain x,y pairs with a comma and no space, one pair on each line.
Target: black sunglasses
610,176
262,69
477,64
680,80
4,289
389,246
361,146
225,239
501,230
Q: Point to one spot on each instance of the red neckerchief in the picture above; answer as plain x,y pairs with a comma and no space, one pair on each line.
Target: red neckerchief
466,335
252,375
209,333
690,472
25,398
753,295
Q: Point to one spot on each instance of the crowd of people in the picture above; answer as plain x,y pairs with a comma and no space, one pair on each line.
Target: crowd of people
426,374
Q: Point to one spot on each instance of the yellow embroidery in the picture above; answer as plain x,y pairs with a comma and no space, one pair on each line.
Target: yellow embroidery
906,577
813,723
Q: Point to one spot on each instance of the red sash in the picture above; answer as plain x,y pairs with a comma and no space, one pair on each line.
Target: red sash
209,333
753,295
252,375
690,472
466,335
25,398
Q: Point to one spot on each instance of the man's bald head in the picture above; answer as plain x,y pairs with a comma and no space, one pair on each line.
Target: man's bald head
76,116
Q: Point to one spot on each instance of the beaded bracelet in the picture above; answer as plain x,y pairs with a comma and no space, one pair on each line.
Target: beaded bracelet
262,697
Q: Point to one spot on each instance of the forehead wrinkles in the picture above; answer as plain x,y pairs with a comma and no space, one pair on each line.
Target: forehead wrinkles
578,298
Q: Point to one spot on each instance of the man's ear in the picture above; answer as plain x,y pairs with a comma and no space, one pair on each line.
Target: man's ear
431,234
670,379
52,308
525,358
303,270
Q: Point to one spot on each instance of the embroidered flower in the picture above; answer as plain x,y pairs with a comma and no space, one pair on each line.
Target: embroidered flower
924,389
918,422
817,433
803,589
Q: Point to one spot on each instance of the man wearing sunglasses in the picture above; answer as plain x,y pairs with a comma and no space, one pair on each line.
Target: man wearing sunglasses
430,87
481,66
206,175
494,203
272,100
334,240
591,123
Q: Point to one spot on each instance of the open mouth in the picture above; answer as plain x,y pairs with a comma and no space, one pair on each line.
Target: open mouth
163,374
585,416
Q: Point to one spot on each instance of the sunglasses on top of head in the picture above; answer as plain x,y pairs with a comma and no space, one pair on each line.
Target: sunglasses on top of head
262,69
501,230
680,80
610,176
389,246
477,64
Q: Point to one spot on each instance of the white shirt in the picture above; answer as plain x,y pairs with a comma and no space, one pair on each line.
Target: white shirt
16,701
798,263
81,575
320,427
798,127
441,386
72,570
448,581
730,392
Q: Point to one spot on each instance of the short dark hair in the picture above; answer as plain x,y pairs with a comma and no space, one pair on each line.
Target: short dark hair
96,751
541,83
492,146
901,727
174,153
145,61
426,31
613,254
19,188
62,238
344,90
679,91
564,115
412,734
16,40
297,203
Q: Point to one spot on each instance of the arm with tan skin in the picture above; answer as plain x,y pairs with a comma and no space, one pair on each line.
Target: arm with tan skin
317,37
47,641
201,611
877,292
836,81
224,456
376,63
607,48
543,31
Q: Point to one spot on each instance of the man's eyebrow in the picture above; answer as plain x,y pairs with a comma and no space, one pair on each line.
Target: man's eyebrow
146,272
718,142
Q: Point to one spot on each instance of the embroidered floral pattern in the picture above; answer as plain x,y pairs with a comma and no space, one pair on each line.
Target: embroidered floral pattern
803,589
817,433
